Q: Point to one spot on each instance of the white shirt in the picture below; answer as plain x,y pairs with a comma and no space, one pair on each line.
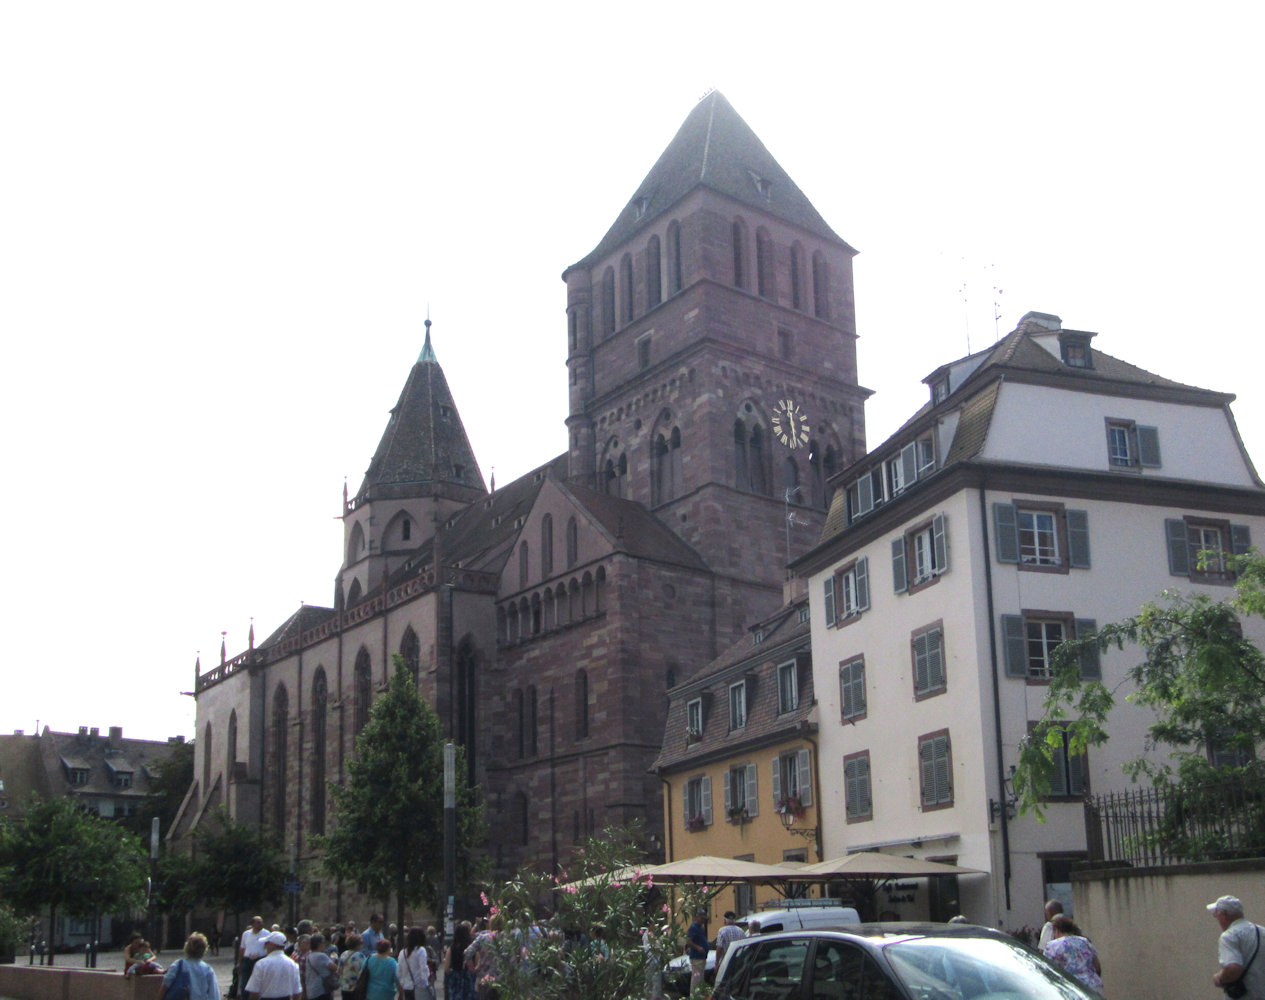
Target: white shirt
1236,946
275,976
253,942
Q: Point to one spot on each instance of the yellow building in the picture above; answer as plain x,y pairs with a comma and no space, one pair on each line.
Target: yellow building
739,756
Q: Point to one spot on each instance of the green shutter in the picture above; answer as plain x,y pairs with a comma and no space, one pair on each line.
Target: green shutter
935,659
707,801
940,542
908,465
1091,666
1006,528
1178,546
1015,645
862,575
899,583
1149,447
921,681
829,592
1078,539
804,764
753,797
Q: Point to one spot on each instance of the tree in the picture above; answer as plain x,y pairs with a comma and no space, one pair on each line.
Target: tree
545,960
388,830
237,868
1203,680
61,857
168,786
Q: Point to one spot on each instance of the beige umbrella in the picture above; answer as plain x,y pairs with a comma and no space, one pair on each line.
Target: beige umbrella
870,864
707,869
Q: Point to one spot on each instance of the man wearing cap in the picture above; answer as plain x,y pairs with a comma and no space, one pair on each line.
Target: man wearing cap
275,976
1237,949
727,935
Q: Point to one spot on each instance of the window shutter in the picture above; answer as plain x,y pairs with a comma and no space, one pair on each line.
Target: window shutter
863,784
1058,777
828,588
1091,667
908,465
685,808
1075,774
729,802
777,781
1014,641
927,765
851,791
1006,528
863,584
935,659
940,542
1178,546
805,778
1078,539
899,583
865,494
921,682
707,800
944,785
753,798
1240,539
1149,447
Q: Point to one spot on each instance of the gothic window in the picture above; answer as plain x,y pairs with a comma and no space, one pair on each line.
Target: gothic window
581,704
740,253
654,286
599,590
549,610
353,594
355,544
522,564
406,530
230,754
667,465
573,325
607,302
626,311
674,257
821,286
614,479
206,760
411,654
749,457
277,761
765,277
560,603
823,464
363,685
586,595
320,704
797,277
573,542
546,545
537,620
512,622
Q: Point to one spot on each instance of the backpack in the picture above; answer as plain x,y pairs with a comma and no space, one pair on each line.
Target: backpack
180,986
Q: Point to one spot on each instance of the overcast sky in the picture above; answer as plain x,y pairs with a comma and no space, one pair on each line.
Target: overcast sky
222,225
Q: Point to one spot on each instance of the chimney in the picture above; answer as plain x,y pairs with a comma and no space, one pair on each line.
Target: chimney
96,731
83,730
1047,321
116,737
18,732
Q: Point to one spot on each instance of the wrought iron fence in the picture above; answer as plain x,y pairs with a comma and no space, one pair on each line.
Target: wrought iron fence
1177,824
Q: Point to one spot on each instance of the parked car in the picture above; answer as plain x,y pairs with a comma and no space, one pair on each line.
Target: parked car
809,913
898,961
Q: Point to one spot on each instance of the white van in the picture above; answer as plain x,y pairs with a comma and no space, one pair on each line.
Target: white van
808,913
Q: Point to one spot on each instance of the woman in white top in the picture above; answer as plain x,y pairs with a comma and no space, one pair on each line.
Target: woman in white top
413,973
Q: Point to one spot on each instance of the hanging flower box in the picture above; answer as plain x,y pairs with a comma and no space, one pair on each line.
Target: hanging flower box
695,824
791,805
739,815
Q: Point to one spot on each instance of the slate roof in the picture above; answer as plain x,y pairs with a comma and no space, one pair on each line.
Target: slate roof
785,638
424,441
635,531
308,616
714,148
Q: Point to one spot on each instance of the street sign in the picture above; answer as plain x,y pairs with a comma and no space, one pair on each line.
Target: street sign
294,887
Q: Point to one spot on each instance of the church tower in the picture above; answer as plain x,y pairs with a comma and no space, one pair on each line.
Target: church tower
712,357
422,471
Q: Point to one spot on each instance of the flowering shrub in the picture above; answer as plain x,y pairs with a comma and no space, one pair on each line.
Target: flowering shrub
598,930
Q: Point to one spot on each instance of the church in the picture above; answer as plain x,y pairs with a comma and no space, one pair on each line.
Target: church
712,387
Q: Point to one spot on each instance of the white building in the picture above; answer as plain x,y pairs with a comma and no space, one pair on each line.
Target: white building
1044,487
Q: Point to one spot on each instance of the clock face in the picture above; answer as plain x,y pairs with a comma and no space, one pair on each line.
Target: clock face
789,423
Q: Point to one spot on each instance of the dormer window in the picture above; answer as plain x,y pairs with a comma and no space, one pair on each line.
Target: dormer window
940,390
1074,349
763,186
80,775
758,637
640,206
443,413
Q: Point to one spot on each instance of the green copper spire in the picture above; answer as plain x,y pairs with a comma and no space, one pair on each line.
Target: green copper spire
428,352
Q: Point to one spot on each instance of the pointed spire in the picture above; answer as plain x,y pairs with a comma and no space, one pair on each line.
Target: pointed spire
493,488
223,648
252,633
428,352
197,665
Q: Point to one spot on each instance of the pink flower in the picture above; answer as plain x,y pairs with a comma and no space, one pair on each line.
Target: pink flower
571,888
667,908
484,896
493,911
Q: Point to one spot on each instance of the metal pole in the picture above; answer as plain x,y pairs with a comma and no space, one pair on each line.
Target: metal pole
450,835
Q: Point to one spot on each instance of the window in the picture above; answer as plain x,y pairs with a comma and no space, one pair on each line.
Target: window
740,253
741,798
606,305
935,767
928,657
925,456
847,592
1197,548
1030,639
123,779
643,352
940,390
920,555
785,345
859,805
694,718
654,285
1076,355
852,689
698,802
766,284
320,708
1041,536
626,309
546,545
80,775
1130,446
803,614
902,470
821,286
787,687
737,705
406,529
1229,747
792,780
1067,780
573,542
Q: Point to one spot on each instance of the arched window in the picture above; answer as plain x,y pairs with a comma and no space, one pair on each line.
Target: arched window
512,616
821,286
654,283
355,543
549,610
573,327
230,751
206,760
573,542
560,604
740,253
581,704
532,747
522,818
667,466
546,545
674,257
599,593
353,595
749,458
586,594
502,626
576,609
830,468
320,705
537,615
797,277
363,687
519,721
522,564
766,279
607,302
626,310
411,653
277,758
